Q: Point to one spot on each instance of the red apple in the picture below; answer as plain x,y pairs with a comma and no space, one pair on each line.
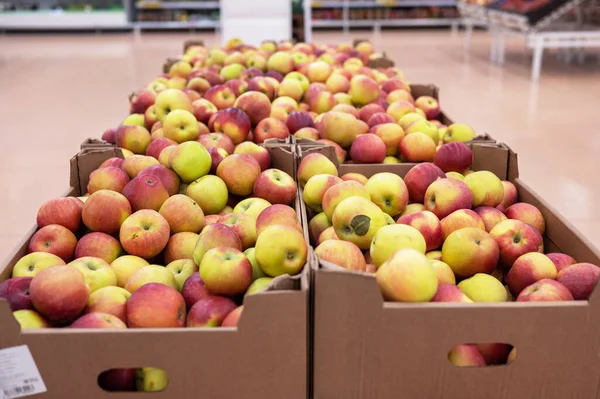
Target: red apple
155,147
221,96
580,279
419,178
298,120
114,161
105,211
63,211
561,261
259,153
17,293
368,148
275,186
527,213
454,157
98,320
99,245
145,233
167,177
232,122
514,239
369,110
117,380
194,290
210,312
255,104
226,271
156,305
108,178
55,239
233,317
546,290
217,140
145,192
270,128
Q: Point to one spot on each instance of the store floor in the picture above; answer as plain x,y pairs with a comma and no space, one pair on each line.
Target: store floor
56,90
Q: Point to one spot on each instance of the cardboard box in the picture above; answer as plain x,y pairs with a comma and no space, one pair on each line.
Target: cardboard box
266,356
189,43
367,348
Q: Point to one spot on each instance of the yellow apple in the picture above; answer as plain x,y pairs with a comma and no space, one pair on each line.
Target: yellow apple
392,238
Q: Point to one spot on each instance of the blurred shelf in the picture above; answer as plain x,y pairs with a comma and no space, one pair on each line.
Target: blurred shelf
404,22
379,4
178,5
202,24
63,20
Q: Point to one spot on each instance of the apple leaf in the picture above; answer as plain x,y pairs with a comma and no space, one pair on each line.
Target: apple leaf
360,224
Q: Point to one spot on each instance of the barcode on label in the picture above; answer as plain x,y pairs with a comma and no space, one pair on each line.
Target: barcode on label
18,391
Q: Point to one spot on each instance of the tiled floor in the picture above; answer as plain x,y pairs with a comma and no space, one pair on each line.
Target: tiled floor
57,90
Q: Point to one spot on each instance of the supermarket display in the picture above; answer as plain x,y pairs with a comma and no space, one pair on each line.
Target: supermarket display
299,220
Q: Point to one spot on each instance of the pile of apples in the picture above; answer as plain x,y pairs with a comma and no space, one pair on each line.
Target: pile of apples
444,233
159,246
223,97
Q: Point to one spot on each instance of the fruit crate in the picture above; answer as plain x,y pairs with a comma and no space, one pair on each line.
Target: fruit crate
265,356
365,347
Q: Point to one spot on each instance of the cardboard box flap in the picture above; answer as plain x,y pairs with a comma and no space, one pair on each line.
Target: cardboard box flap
380,62
189,43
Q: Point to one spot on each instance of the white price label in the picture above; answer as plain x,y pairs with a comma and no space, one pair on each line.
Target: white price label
19,375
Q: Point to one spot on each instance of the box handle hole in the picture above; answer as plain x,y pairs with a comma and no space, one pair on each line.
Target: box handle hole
482,354
144,379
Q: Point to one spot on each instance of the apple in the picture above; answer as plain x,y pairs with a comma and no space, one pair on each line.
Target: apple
203,110
151,119
109,135
445,196
341,191
399,108
180,69
429,105
105,211
156,305
150,274
399,94
515,238
97,272
125,266
107,178
379,119
291,88
62,211
418,147
59,293
321,101
483,287
368,148
444,273
133,138
217,140
388,192
252,206
486,187
434,255
392,238
31,264
454,157
527,213
109,300
407,276
341,128
580,279
239,172
210,312
455,175
460,219
190,161
243,225
510,194
114,161
145,233
54,239
256,105
450,293
30,319
313,164
528,269
180,246
98,320
337,83
150,379
298,120
275,186
270,128
181,125
560,260
391,134
317,225
157,145
221,96
316,187
194,290
16,291
546,290
210,193
342,253
145,192
233,122
183,214
257,272
466,356
490,216
117,380
213,236
182,269
259,285
133,120
99,245
363,90
419,178
288,257
346,108
225,271
357,219
369,110
167,177
280,61
470,251
259,153
357,177
495,353
459,132
198,84
428,225
134,164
